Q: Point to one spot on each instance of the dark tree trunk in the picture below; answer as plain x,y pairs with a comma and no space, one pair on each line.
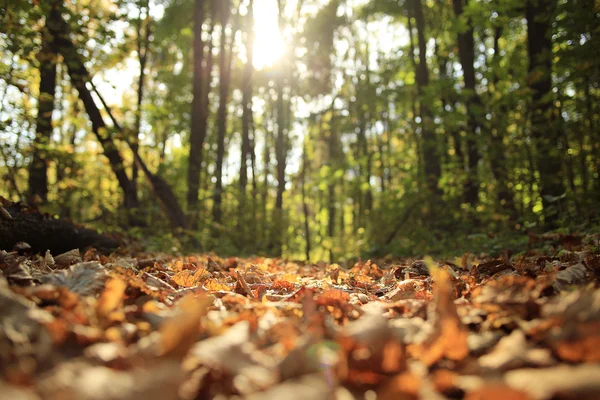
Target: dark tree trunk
160,187
333,162
45,233
200,106
498,161
280,151
247,90
466,53
224,77
432,167
414,123
544,128
197,134
143,43
79,76
38,168
305,209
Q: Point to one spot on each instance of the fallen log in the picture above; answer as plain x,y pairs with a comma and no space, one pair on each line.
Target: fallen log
20,223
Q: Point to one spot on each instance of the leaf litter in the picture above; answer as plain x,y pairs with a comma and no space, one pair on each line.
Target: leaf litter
197,327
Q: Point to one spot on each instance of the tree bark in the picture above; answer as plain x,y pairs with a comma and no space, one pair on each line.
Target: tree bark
466,53
280,150
38,168
544,129
305,209
143,43
247,89
432,167
45,233
224,78
498,161
160,187
200,106
79,76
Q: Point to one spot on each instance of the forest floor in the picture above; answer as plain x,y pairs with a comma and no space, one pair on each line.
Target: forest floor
154,326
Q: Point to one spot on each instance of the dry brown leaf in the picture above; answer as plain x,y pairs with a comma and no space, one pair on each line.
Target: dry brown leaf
67,259
496,392
112,297
179,333
84,279
450,337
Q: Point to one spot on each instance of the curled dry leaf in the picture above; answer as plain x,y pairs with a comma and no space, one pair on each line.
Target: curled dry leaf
5,214
233,354
84,279
67,259
24,340
112,297
450,337
179,333
573,275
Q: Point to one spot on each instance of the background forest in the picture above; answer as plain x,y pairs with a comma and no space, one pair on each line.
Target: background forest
304,128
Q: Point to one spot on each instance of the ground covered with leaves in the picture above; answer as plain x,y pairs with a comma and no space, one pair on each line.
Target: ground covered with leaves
197,327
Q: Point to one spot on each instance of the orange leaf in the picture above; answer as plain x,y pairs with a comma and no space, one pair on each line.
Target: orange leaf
112,297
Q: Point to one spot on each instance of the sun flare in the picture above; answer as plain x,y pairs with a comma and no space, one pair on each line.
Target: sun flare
268,43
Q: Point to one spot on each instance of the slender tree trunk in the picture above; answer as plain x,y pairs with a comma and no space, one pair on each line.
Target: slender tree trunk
143,43
224,78
280,150
160,187
247,90
305,209
38,168
583,154
544,129
79,76
432,169
200,106
448,97
498,161
414,102
333,162
266,167
466,52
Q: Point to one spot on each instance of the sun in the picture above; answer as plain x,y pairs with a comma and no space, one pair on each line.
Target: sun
269,46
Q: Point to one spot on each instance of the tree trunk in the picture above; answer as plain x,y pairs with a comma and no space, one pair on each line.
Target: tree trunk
143,42
160,187
200,106
46,233
414,123
544,129
224,77
466,53
432,168
305,209
79,76
247,90
38,168
498,161
266,167
280,150
333,162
